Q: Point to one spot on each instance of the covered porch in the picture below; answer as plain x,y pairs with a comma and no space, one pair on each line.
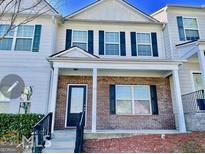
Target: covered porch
192,80
97,75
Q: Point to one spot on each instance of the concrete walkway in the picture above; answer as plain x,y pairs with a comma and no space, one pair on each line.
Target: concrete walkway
63,141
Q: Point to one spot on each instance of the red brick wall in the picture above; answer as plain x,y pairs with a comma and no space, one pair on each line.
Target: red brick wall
165,119
176,143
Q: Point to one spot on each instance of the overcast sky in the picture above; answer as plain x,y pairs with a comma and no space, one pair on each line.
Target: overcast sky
148,6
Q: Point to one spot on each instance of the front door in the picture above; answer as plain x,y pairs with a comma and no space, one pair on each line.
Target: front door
76,102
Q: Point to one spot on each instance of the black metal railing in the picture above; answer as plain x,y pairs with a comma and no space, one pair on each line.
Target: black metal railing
41,133
80,133
194,102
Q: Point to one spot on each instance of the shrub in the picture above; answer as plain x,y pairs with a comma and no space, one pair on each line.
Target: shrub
21,124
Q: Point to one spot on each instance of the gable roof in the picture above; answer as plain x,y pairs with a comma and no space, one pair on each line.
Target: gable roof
51,7
73,52
99,2
177,6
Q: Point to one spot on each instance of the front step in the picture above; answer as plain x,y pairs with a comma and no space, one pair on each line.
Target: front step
63,141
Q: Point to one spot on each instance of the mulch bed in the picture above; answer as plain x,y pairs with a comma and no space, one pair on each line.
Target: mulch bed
183,143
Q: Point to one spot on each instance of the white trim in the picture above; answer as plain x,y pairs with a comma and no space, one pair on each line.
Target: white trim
179,106
86,102
94,100
52,106
120,66
74,48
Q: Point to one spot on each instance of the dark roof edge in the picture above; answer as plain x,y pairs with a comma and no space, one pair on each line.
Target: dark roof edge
69,49
186,43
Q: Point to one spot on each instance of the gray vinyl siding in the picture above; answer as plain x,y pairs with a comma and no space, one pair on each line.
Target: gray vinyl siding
32,67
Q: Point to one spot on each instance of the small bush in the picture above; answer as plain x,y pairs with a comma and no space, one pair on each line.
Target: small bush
21,124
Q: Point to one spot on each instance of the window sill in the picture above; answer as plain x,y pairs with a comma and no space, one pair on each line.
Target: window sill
133,115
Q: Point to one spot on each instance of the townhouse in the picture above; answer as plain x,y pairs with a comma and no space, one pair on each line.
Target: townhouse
111,59
124,68
184,30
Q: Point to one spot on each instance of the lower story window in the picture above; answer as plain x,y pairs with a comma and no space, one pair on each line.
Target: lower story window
133,100
198,83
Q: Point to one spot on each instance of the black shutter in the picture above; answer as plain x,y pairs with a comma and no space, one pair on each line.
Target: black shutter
68,39
101,42
90,41
37,38
181,28
112,100
122,44
154,101
154,45
133,43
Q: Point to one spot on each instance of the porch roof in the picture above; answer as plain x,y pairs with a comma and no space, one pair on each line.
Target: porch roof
190,48
78,58
116,63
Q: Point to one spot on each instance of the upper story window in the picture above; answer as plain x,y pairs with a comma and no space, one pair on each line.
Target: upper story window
112,43
191,28
188,28
80,39
144,46
22,38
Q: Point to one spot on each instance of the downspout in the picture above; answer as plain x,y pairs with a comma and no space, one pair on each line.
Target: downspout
50,91
53,46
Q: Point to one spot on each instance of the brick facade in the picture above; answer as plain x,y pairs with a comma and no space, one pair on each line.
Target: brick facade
165,119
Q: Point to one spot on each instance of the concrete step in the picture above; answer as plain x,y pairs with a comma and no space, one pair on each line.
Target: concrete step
63,141
64,134
64,150
63,144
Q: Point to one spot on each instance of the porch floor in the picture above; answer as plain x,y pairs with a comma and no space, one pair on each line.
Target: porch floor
107,134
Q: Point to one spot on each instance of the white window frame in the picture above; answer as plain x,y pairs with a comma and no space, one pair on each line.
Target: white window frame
105,43
190,28
76,30
133,100
144,44
192,78
15,37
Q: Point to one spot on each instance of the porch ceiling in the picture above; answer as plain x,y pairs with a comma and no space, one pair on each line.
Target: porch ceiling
113,72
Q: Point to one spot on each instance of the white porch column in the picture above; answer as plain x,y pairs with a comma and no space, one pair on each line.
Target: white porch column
201,57
179,105
94,101
52,107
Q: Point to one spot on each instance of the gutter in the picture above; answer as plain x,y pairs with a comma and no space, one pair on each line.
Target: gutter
111,60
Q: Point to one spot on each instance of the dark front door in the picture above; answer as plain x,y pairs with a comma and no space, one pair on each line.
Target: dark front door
76,102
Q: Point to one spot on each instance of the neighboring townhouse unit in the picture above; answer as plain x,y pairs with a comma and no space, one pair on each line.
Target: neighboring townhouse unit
185,40
23,52
111,61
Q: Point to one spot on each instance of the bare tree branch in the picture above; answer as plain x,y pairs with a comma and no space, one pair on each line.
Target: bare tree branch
15,13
